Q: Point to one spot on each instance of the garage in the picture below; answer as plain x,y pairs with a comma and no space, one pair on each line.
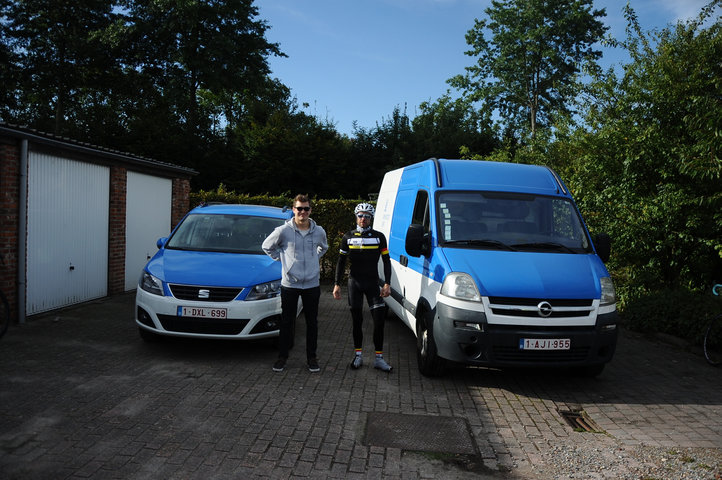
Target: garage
79,221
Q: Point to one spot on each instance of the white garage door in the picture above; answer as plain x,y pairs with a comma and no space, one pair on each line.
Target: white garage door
148,209
67,243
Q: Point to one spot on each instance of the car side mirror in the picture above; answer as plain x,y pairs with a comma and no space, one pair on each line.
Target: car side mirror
161,241
603,245
417,242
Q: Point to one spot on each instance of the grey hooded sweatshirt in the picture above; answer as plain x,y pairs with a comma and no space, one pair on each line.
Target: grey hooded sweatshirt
299,252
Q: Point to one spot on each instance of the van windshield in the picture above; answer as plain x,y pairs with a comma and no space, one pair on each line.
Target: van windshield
510,221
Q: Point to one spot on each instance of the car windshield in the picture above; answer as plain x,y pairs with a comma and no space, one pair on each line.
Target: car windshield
223,233
510,221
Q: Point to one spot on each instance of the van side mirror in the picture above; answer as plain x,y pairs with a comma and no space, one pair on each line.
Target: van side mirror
417,242
603,245
161,241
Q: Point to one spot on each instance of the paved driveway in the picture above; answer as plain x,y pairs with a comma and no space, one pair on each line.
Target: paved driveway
83,397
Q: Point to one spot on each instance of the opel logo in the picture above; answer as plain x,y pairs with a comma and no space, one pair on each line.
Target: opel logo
203,293
545,309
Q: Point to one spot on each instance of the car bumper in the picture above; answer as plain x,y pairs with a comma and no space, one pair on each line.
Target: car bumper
499,345
244,320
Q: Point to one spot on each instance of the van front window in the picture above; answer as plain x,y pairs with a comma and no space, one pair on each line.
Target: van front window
511,221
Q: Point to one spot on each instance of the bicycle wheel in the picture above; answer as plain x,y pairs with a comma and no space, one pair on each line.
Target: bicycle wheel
4,314
713,341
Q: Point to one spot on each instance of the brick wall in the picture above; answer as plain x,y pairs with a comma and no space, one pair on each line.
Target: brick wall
9,214
181,200
116,230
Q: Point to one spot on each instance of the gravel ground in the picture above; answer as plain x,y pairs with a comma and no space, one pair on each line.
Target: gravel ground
592,459
585,461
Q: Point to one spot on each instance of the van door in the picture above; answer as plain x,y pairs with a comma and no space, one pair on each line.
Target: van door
417,267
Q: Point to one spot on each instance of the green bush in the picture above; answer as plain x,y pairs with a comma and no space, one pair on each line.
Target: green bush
681,313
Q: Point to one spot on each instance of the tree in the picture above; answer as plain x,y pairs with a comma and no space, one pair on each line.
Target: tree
648,166
59,62
528,71
444,127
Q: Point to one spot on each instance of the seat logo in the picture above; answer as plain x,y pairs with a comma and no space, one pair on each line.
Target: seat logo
203,293
545,309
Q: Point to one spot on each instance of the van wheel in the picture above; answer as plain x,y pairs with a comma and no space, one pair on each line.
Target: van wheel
430,364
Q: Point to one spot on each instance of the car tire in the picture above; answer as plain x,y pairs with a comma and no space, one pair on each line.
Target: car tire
429,362
148,336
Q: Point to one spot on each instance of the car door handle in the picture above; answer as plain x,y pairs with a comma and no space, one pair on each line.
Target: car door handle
404,260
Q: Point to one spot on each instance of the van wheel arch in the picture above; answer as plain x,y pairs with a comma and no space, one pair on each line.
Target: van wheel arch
429,362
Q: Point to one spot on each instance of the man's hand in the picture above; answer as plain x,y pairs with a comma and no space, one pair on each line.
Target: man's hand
386,290
337,292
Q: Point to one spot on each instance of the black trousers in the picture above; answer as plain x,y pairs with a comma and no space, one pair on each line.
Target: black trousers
289,306
357,290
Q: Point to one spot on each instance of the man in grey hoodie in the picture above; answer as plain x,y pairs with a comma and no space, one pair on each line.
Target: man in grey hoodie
298,244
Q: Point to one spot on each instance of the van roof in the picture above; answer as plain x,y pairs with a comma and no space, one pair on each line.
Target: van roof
496,176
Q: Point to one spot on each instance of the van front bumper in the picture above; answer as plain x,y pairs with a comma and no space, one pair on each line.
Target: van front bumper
464,336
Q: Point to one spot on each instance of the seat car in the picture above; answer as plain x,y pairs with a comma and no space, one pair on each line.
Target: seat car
211,279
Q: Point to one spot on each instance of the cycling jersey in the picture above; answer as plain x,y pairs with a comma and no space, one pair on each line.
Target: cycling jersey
363,249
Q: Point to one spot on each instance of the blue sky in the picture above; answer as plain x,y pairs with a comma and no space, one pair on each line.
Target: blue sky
355,60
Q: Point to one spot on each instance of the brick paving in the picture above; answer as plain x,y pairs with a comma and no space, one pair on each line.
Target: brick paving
84,397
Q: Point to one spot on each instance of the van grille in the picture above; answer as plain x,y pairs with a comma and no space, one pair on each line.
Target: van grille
530,307
193,292
513,354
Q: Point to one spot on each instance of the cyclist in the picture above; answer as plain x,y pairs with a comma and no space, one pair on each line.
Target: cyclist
363,246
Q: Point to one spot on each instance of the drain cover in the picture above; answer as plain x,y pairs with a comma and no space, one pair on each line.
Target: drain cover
419,433
579,421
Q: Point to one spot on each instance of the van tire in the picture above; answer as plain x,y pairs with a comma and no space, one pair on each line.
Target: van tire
429,362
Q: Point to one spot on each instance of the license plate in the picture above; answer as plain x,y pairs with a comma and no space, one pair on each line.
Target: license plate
202,312
544,344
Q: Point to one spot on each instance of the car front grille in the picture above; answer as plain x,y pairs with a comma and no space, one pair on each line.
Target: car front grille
204,294
209,326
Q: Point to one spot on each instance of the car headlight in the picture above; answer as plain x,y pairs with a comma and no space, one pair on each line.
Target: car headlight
265,290
150,284
609,297
461,286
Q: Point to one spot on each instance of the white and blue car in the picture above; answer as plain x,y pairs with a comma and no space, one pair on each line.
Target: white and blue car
210,278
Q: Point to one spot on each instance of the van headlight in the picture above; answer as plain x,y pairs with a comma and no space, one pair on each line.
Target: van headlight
265,290
609,297
150,284
461,286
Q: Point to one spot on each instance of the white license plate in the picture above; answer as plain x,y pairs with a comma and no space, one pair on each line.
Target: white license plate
544,344
202,312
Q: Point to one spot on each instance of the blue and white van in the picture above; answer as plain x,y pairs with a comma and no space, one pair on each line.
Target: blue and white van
494,266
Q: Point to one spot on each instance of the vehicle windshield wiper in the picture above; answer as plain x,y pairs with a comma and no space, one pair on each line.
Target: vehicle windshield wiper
545,245
481,243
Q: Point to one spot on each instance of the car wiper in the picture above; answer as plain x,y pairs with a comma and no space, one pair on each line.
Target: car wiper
481,243
545,245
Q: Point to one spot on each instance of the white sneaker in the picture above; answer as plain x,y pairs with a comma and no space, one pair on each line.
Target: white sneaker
381,364
356,362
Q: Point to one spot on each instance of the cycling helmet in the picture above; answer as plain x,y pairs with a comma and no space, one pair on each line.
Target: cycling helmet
364,207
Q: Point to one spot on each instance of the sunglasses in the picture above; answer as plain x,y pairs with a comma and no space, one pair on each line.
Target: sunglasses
363,215
303,209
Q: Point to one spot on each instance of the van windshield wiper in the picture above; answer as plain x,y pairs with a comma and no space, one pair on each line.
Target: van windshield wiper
546,246
481,243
